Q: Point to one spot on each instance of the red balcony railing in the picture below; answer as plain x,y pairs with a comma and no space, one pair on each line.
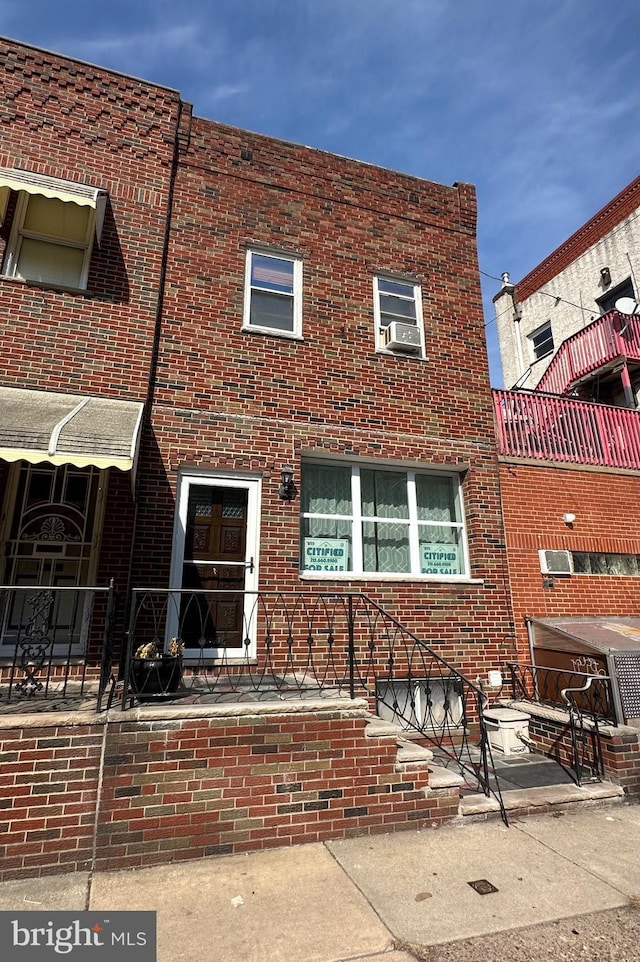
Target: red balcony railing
608,337
551,428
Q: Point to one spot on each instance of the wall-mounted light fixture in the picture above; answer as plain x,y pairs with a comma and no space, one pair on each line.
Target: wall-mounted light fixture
287,490
605,276
568,518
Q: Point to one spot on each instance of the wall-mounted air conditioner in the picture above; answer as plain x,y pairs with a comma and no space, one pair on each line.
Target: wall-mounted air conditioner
555,562
402,337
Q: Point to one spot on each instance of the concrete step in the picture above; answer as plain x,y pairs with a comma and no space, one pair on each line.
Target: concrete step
379,728
412,757
527,801
443,778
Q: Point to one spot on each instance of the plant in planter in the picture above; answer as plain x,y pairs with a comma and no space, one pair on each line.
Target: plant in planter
155,672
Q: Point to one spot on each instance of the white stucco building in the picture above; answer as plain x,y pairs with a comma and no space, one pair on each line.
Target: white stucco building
577,283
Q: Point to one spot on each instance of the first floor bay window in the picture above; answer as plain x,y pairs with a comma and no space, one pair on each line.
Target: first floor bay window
364,520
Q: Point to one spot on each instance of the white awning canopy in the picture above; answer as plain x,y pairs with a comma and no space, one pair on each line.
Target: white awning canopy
40,426
64,190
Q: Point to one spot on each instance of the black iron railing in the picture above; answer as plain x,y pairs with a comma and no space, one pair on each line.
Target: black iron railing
586,747
44,634
588,701
242,646
535,683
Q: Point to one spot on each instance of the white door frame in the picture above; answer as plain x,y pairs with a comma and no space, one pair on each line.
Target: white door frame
252,484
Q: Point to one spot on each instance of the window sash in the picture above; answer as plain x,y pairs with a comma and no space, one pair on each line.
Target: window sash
396,300
606,563
542,342
273,288
375,536
50,242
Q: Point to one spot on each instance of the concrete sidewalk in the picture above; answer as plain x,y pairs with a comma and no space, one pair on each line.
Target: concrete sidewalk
386,898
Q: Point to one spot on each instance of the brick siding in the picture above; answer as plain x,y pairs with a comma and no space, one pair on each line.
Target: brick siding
605,504
190,787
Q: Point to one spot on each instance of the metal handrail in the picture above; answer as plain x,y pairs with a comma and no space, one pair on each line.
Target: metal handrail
313,643
43,647
542,685
554,686
583,759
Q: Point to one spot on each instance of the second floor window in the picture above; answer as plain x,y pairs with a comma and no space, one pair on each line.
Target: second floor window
398,316
541,342
52,225
273,293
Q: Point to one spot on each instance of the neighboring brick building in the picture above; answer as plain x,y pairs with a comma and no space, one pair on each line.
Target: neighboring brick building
86,162
570,477
305,310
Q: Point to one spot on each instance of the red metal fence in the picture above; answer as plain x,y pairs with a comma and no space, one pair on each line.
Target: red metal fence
610,336
551,428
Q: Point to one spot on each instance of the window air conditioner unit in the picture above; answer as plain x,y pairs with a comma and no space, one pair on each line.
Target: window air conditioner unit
402,337
556,562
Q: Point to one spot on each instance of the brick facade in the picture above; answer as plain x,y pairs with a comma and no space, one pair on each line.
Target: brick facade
162,315
230,400
606,504
118,793
90,126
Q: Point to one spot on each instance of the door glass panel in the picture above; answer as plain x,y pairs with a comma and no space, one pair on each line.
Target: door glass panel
215,560
50,545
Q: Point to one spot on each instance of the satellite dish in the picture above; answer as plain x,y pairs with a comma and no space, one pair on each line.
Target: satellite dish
627,305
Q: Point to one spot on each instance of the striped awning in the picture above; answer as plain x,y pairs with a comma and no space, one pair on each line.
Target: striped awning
84,430
64,190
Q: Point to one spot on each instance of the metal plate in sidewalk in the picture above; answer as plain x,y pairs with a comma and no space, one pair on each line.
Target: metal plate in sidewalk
483,887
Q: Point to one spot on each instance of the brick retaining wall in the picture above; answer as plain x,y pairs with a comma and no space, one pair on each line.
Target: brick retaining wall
162,786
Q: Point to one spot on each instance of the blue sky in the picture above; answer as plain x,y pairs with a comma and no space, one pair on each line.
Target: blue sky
536,102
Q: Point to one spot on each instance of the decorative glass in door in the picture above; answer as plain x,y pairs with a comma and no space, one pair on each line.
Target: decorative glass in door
49,545
215,560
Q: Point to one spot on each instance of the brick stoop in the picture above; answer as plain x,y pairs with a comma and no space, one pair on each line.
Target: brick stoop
412,758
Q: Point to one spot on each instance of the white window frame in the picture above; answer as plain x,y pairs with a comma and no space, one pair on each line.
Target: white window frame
296,294
356,519
381,326
19,233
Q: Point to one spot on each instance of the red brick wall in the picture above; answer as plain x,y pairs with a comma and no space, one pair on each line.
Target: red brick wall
606,506
48,796
89,125
235,401
191,787
229,400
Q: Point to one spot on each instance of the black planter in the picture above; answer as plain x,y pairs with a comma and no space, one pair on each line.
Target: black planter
155,677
